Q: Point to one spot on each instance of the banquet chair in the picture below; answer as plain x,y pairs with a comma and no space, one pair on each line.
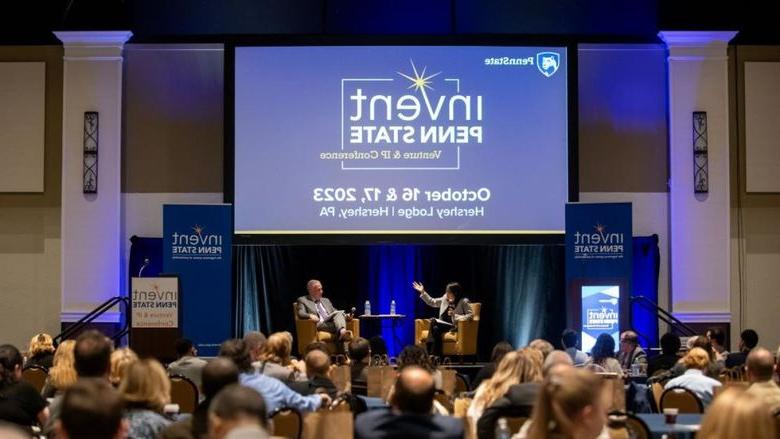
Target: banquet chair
184,393
658,390
460,343
633,426
35,376
682,399
306,332
286,422
461,384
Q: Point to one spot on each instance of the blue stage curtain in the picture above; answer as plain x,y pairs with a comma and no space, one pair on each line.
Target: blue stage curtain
644,282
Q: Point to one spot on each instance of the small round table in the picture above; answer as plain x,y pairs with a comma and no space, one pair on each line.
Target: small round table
377,319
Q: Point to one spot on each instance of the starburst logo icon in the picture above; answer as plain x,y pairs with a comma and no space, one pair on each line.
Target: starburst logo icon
419,81
198,229
600,228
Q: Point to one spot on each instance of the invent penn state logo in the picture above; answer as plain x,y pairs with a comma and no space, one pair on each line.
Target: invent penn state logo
548,62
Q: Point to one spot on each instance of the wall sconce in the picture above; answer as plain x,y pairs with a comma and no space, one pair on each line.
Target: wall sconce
90,152
701,176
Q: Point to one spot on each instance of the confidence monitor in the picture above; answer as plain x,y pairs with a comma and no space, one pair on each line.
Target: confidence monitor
400,139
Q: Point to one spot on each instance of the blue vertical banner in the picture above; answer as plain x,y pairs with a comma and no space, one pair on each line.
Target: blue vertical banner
197,241
599,250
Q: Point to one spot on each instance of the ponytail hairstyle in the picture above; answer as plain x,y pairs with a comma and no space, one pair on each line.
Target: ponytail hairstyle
563,396
10,357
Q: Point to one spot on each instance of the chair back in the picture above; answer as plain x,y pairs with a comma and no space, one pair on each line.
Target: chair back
35,376
682,399
629,425
287,422
380,380
461,384
184,393
658,390
444,399
736,373
476,308
342,378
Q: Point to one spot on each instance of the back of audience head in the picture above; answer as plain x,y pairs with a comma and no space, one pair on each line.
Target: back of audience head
716,336
413,355
748,339
543,346
569,405
516,367
414,391
236,350
41,344
254,343
554,359
63,372
235,406
359,349
92,354
10,365
317,364
120,360
704,343
604,348
696,358
146,385
499,350
185,348
217,374
378,345
569,338
670,344
736,413
277,349
91,409
315,346
760,365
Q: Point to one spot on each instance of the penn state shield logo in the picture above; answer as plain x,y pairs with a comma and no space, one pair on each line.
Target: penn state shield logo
548,62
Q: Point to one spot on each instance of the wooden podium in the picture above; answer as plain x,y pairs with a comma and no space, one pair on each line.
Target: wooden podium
155,316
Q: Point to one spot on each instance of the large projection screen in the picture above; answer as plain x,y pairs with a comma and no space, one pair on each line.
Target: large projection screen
400,139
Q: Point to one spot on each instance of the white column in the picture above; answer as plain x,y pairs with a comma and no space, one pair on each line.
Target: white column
699,223
92,81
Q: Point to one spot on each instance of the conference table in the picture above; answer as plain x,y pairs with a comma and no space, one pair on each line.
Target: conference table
686,427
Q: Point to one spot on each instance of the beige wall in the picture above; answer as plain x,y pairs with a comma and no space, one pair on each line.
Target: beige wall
755,216
30,222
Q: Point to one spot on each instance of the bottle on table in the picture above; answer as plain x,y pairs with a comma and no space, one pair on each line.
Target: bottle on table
392,307
367,308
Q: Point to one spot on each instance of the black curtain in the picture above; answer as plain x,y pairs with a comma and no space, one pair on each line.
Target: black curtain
521,287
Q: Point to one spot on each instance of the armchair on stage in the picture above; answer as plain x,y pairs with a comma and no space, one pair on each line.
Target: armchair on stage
306,332
463,342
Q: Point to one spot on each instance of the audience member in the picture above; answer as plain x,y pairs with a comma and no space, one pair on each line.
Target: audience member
120,360
630,351
737,414
145,390
718,341
274,360
413,355
359,351
187,363
40,351
237,412
570,340
217,374
696,362
410,413
91,409
759,368
602,356
556,358
317,369
543,346
255,341
569,406
511,391
748,339
378,351
499,350
670,346
273,391
20,403
63,372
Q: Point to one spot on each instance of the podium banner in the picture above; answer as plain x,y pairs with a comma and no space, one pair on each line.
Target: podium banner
599,249
197,241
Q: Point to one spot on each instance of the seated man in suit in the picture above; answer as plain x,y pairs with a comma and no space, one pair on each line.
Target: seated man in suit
318,308
630,351
410,415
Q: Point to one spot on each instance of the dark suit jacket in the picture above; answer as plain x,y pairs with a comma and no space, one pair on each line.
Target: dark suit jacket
662,361
384,424
307,305
518,401
736,359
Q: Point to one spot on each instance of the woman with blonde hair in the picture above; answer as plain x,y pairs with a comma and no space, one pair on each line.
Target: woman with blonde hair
518,367
146,390
274,359
120,360
40,351
569,406
63,373
696,362
737,413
